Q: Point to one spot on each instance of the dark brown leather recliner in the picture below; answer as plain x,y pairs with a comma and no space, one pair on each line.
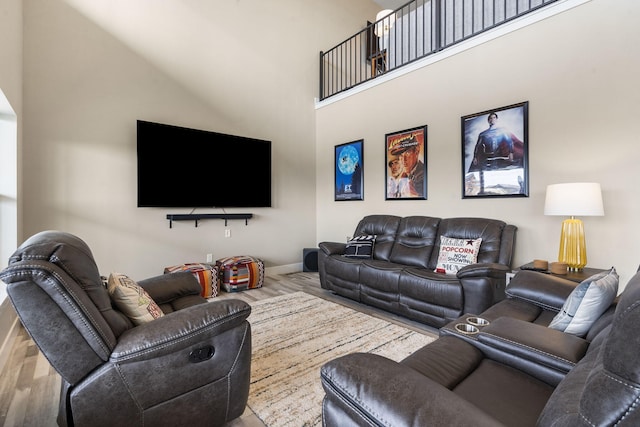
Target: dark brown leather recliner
451,382
189,367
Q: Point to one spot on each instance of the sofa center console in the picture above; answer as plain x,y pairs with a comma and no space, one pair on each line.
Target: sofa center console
534,348
467,327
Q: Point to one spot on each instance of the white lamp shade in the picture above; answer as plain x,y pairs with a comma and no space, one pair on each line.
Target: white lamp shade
574,199
384,22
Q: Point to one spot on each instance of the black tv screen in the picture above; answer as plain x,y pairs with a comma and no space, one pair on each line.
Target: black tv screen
189,168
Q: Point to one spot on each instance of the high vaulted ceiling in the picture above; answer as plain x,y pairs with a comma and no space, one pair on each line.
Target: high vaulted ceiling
390,4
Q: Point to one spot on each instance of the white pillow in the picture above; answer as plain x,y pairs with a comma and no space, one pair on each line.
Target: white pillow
586,303
456,253
132,299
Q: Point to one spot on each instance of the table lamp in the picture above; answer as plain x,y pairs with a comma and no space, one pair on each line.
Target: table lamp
573,199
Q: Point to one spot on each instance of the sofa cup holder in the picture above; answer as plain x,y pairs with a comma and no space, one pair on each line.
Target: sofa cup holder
467,329
478,321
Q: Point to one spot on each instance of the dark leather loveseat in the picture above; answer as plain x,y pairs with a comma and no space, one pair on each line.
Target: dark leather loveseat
516,372
400,276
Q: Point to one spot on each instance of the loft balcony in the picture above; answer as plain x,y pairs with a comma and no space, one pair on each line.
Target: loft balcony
417,30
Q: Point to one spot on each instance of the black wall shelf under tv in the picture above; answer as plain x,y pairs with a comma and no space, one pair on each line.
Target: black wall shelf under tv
198,217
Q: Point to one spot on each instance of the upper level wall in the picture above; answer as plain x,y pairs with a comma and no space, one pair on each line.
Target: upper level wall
582,93
244,68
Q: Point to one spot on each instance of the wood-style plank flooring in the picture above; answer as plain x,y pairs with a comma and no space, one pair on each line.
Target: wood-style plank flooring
29,387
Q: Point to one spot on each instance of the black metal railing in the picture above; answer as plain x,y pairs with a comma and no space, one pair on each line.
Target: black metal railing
416,30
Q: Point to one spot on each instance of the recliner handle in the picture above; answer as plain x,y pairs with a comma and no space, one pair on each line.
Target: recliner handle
201,354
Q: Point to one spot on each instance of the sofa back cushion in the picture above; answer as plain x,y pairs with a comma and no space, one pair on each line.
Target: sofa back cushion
490,230
384,227
415,241
72,254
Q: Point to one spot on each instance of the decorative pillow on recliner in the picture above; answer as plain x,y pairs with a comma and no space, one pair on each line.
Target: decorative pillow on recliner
132,299
360,246
586,303
456,253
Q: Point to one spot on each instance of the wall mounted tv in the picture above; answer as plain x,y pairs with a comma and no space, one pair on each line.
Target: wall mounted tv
189,168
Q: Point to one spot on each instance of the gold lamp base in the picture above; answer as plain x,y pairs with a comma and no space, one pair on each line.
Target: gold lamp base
573,250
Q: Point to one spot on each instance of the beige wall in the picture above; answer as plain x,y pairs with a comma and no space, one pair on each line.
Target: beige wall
579,72
93,68
10,132
248,68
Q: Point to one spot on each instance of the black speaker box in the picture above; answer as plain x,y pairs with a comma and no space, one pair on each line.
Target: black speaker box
310,259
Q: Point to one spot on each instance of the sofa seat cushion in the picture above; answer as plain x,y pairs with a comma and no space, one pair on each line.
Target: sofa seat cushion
507,394
344,267
342,275
430,297
379,284
419,284
435,362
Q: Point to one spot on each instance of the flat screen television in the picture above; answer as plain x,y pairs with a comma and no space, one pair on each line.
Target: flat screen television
189,168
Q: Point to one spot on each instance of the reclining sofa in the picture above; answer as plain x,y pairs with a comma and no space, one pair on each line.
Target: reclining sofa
400,276
516,371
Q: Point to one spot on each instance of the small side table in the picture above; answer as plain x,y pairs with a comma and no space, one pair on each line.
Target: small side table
574,276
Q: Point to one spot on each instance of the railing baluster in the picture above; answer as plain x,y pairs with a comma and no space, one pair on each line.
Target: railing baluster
346,65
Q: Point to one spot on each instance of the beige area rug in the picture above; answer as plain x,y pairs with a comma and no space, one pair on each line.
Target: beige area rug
294,335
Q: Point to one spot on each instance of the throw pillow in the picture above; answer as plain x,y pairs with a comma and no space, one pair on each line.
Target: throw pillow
132,299
586,303
456,253
360,246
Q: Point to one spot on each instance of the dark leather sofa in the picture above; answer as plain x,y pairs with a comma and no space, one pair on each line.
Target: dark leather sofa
516,372
400,276
189,367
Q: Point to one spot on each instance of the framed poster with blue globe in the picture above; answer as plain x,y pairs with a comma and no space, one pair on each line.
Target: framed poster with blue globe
349,171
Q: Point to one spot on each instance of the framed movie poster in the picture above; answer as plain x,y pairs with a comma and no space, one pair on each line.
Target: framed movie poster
405,164
495,152
349,171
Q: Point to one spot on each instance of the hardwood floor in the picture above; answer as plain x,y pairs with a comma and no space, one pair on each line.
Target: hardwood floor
29,387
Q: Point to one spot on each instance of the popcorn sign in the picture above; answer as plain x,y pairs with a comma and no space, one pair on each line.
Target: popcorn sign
456,253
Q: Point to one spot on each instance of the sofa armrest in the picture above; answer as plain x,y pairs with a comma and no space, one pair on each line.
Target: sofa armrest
332,248
202,347
536,343
368,389
483,285
168,287
179,330
493,270
543,290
